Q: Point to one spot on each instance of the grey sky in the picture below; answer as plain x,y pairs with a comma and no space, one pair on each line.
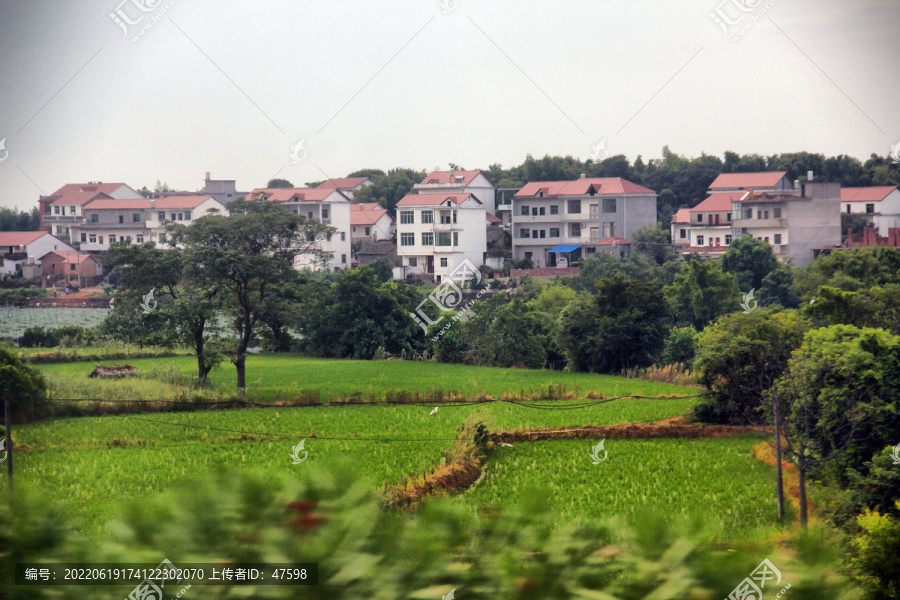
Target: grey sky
229,87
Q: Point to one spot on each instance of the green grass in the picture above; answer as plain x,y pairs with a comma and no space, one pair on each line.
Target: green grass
271,377
14,321
713,478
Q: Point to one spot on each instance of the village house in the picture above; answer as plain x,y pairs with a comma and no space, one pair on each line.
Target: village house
880,204
18,248
345,185
437,231
768,181
370,222
558,223
62,209
706,230
459,182
68,267
326,205
107,221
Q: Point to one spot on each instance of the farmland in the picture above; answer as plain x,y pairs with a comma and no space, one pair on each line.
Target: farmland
14,321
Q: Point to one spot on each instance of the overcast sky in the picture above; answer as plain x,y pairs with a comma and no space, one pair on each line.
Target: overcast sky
231,87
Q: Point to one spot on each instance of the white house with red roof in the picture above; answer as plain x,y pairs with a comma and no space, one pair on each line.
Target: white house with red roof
769,181
329,206
708,231
459,182
108,220
62,209
680,229
19,247
370,222
347,185
880,203
437,231
558,223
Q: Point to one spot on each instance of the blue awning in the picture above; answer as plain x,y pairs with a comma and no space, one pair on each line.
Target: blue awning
566,248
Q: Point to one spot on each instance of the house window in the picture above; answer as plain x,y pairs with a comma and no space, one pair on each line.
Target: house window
533,211
683,233
71,210
83,237
456,238
161,215
524,211
574,229
121,219
308,215
92,239
324,213
554,232
609,229
48,209
776,213
55,210
414,262
541,211
407,239
407,217
766,239
609,205
759,214
554,209
135,217
162,238
699,240
727,240
101,239
343,236
524,233
368,230
72,267
140,239
427,216
699,218
595,234
95,218
728,217
443,238
343,259
766,215
848,209
593,211
870,208
428,239
112,239
187,216
777,239
443,261
574,207
327,237
454,216
543,233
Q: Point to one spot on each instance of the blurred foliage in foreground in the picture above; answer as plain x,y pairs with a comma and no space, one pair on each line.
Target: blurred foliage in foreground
364,551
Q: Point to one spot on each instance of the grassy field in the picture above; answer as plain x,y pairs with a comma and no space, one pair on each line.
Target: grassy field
271,377
712,478
14,321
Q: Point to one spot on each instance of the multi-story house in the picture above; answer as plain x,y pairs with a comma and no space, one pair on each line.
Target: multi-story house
107,221
326,205
552,221
798,222
459,182
680,229
436,232
20,247
881,204
708,231
370,222
62,209
346,185
768,181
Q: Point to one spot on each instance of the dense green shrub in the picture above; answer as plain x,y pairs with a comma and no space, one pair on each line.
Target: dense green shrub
27,386
876,563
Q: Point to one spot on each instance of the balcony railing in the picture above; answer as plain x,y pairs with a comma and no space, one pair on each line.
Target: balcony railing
89,225
756,223
62,218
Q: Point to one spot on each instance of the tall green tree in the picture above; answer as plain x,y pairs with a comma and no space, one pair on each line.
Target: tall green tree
750,260
701,293
653,242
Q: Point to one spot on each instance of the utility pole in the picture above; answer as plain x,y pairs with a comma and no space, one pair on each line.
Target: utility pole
9,449
778,454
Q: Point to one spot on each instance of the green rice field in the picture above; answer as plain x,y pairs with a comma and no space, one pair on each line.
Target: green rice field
14,321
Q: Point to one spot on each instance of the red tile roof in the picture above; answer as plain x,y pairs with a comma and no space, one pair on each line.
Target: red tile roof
71,256
682,216
365,206
718,202
765,179
613,241
293,194
581,187
433,199
449,176
492,219
346,183
866,194
19,238
78,198
105,188
366,217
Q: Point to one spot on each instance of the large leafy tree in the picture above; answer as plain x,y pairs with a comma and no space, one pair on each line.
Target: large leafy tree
701,293
653,242
750,260
850,270
242,256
